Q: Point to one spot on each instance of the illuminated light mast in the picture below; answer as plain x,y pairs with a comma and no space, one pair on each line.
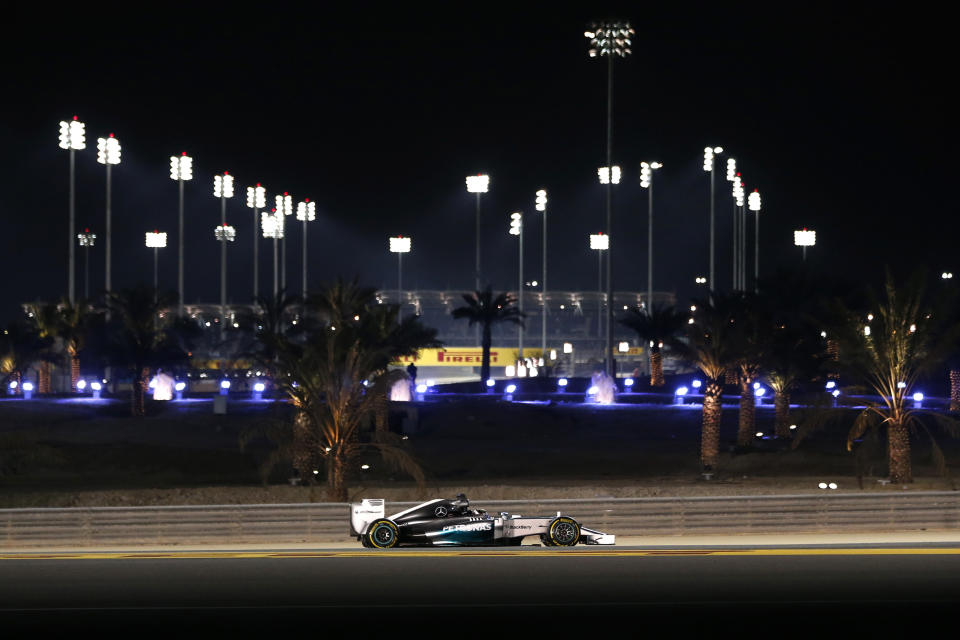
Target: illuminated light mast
256,200
400,245
611,39
646,181
156,240
271,225
516,229
804,238
306,212
753,203
223,189
541,206
284,208
709,154
478,184
108,154
600,243
72,138
181,169
86,240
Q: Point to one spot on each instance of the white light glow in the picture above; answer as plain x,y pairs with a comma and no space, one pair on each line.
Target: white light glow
604,174
226,233
511,388
541,200
86,239
697,384
156,239
108,150
753,201
623,347
805,238
224,384
479,183
256,197
918,397
516,223
568,347
562,382
284,204
223,185
682,391
306,211
271,225
181,167
400,245
599,241
731,169
72,135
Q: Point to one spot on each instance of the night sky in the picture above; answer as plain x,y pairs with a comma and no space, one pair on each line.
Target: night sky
842,121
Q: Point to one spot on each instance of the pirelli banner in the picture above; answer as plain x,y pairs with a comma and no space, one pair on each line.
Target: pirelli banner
467,357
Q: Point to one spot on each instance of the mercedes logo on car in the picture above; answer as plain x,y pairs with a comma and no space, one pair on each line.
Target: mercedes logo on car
440,512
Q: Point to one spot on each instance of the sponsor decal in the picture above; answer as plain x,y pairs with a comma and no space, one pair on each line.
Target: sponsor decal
476,526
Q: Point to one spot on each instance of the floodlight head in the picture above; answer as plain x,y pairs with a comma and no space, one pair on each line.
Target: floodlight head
599,241
753,201
271,225
223,185
605,173
731,169
72,135
86,239
284,204
609,38
516,223
181,167
541,200
479,183
225,233
805,238
256,197
400,245
709,154
108,150
306,211
156,239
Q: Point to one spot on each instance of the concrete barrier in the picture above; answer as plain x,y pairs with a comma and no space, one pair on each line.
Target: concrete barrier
329,522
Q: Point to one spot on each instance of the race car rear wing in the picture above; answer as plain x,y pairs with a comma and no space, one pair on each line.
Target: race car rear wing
365,512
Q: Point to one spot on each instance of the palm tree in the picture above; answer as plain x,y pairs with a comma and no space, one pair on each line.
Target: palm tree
486,310
138,341
73,327
20,345
710,348
46,320
272,318
338,379
902,341
657,327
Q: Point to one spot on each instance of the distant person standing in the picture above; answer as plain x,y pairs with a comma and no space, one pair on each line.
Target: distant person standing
412,372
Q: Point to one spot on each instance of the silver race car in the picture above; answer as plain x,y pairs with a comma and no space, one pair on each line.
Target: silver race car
444,523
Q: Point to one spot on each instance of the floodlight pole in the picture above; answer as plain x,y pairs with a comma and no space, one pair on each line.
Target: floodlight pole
650,245
399,287
543,305
713,284
609,341
477,267
180,245
756,252
304,257
223,263
108,252
520,296
256,252
86,273
156,281
73,214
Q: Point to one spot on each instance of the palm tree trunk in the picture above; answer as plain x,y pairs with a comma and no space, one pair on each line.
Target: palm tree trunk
336,478
900,467
305,448
748,422
710,429
833,350
781,420
74,372
137,393
485,359
43,378
656,368
954,390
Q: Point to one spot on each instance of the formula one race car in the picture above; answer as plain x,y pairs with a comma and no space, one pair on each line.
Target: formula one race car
453,523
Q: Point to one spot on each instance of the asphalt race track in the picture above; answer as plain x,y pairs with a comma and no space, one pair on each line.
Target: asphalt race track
693,591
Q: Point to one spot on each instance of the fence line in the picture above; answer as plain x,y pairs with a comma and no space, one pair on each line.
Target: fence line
329,522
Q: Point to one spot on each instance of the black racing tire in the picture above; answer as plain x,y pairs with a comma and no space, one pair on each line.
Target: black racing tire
545,540
365,542
563,532
382,534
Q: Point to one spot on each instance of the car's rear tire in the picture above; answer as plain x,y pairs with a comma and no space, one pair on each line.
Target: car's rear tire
382,534
563,532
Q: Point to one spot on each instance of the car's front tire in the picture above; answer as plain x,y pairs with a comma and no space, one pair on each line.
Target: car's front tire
562,532
382,534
